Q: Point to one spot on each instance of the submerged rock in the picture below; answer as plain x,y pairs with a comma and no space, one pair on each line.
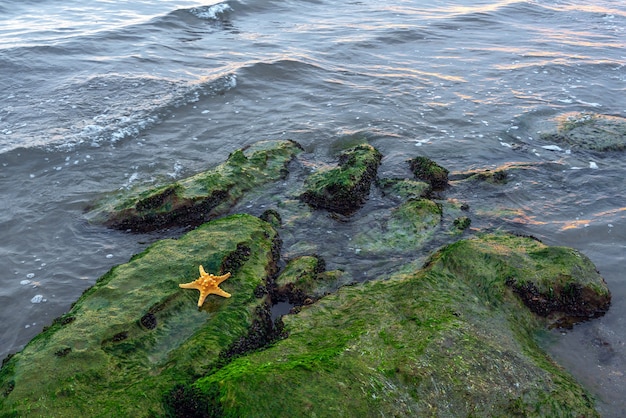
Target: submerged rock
135,334
305,280
448,340
344,189
409,227
202,197
404,188
590,131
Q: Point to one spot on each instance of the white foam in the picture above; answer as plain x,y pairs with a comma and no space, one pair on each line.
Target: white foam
210,12
37,299
552,147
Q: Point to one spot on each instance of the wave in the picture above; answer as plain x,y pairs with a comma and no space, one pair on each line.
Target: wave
104,110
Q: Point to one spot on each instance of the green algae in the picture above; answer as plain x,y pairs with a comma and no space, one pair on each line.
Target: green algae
589,131
135,333
429,171
409,227
344,189
305,279
448,340
196,199
404,188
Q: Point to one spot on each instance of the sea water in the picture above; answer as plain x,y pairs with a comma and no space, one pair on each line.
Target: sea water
106,95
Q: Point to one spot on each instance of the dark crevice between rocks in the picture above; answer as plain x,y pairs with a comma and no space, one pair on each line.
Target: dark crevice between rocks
289,298
233,261
186,400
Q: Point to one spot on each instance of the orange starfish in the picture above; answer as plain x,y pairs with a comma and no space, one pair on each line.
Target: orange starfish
207,284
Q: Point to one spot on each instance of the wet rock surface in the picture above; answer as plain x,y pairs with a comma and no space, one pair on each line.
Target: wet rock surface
345,188
590,131
452,337
197,199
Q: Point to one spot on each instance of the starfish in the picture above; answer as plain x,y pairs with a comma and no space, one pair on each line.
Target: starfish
207,284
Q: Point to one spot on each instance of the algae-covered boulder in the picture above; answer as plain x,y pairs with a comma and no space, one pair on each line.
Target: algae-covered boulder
197,199
305,279
135,334
345,188
589,131
451,339
429,171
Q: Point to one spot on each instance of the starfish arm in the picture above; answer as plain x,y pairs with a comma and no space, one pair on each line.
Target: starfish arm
192,285
220,292
220,279
203,296
202,272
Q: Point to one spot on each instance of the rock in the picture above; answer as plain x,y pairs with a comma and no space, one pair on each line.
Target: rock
409,227
305,279
448,340
197,199
135,334
589,131
344,189
429,171
453,338
404,188
462,223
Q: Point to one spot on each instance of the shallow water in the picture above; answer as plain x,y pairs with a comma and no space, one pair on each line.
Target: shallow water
119,94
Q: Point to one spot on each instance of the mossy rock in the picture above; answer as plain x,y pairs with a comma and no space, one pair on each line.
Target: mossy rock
498,176
429,171
589,131
305,279
202,197
449,340
462,223
344,189
404,188
409,227
135,334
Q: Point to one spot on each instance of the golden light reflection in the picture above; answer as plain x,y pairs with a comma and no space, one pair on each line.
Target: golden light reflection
579,223
596,218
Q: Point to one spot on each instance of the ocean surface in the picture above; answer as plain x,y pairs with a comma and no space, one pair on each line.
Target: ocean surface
108,95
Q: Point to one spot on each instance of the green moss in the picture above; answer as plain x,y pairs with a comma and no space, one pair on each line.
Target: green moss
590,131
135,333
404,188
304,280
429,171
409,227
449,340
344,189
462,223
196,199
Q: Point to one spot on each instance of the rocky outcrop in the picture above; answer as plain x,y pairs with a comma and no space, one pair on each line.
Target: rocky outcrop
344,189
589,131
135,334
197,199
448,340
452,337
429,171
